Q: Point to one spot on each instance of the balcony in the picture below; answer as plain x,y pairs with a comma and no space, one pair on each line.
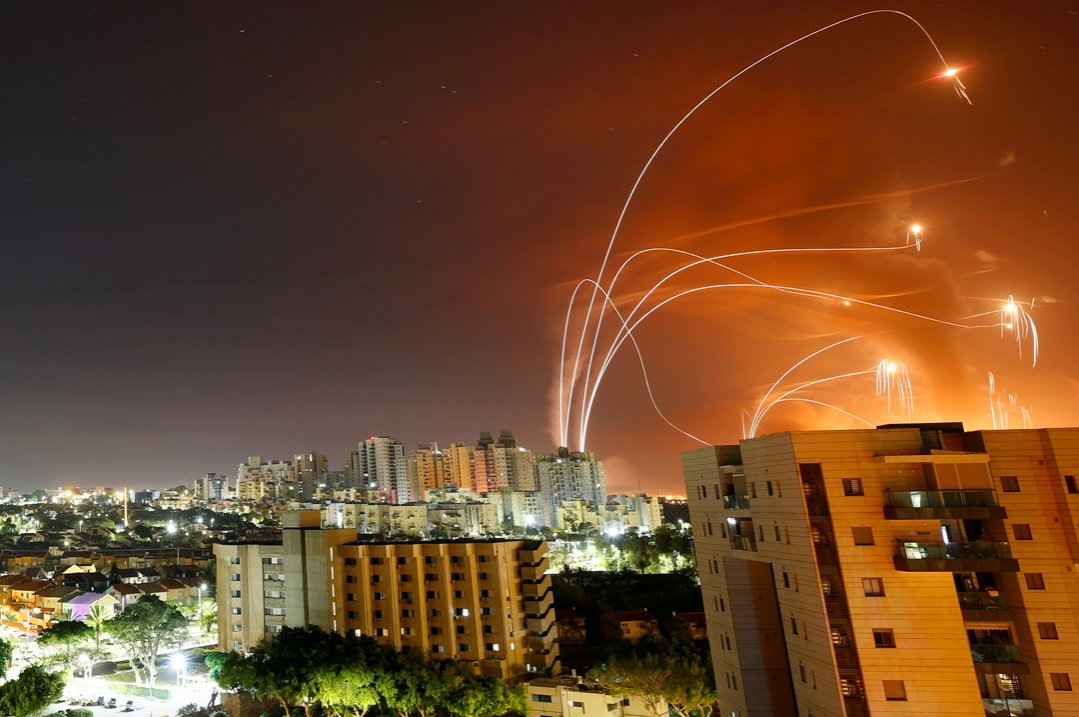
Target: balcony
942,505
994,659
736,502
939,557
983,607
1008,708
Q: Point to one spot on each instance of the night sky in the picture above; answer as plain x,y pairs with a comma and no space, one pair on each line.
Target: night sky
262,228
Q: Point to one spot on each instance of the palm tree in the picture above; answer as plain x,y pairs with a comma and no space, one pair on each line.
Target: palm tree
96,619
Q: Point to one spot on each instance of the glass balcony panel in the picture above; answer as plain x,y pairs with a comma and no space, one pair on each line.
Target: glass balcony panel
981,550
941,498
995,653
982,601
1008,708
736,502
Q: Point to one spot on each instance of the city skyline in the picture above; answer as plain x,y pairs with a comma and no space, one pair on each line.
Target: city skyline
238,233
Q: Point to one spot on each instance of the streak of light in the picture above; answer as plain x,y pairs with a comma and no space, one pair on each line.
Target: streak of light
648,164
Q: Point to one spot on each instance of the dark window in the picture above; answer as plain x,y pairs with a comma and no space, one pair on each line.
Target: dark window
786,580
378,614
1069,481
1009,484
1021,531
350,561
883,638
353,615
1061,681
380,596
402,561
778,538
1035,581
874,587
794,626
352,579
538,698
430,577
1048,631
852,486
376,561
769,485
704,491
709,526
722,606
459,594
802,670
428,560
436,630
431,595
862,536
895,690
351,597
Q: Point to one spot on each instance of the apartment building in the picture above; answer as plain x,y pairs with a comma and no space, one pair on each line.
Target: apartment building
912,569
568,475
487,602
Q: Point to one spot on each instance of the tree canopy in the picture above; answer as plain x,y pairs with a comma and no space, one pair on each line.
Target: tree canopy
661,673
33,691
143,628
346,674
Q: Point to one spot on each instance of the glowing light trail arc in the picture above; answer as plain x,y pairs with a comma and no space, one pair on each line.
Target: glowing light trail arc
563,415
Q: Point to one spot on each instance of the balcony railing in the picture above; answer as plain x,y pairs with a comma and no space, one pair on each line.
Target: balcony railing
744,542
942,504
941,498
981,556
995,653
981,550
982,601
736,502
1008,708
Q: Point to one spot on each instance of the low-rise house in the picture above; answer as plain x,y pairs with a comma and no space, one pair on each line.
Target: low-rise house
51,597
629,625
80,606
23,593
175,591
690,624
568,697
125,594
571,627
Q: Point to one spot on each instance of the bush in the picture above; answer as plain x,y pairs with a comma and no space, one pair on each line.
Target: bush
79,712
188,709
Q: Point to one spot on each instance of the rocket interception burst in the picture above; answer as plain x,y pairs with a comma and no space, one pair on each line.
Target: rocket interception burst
587,355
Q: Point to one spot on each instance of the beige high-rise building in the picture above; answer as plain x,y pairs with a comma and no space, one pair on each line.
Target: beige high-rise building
500,464
425,470
486,602
459,465
908,570
310,471
261,479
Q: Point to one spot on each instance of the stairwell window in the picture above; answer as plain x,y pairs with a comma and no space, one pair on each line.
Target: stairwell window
1048,631
883,638
852,486
1009,484
1061,681
1035,581
1021,531
1069,481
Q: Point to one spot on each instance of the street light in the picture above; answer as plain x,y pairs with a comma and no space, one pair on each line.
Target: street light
179,661
35,611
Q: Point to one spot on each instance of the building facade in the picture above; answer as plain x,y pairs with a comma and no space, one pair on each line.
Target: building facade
911,569
486,602
568,475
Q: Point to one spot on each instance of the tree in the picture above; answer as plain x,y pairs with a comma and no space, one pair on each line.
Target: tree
61,642
6,650
96,619
283,667
662,674
356,676
487,697
31,693
142,629
206,615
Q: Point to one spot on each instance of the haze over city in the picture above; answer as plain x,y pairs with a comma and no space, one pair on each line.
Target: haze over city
239,230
